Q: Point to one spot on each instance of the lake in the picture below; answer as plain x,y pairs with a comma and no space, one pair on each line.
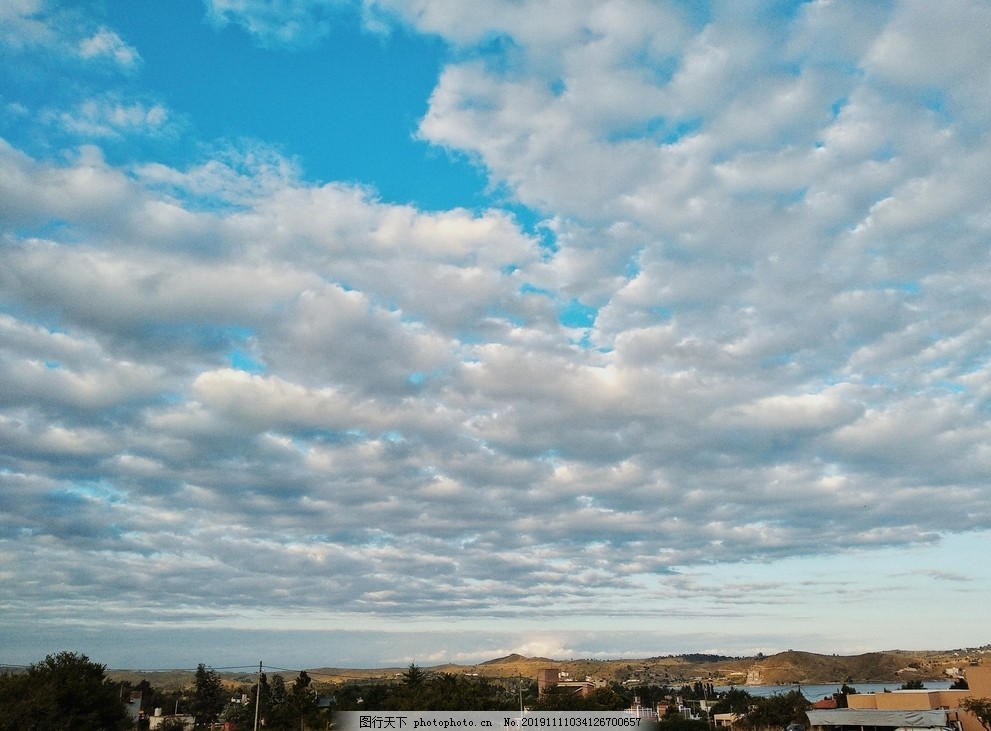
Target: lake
816,692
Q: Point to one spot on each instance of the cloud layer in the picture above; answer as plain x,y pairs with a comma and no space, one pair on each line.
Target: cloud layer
728,304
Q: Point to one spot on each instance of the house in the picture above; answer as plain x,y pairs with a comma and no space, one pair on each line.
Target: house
726,720
548,678
907,710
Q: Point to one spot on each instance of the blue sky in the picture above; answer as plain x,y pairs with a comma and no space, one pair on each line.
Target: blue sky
348,332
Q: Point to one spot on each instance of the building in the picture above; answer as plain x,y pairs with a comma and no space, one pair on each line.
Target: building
548,678
639,710
907,710
726,720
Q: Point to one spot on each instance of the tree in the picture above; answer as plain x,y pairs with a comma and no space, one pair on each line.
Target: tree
414,676
979,707
777,711
734,700
566,699
290,707
303,701
208,698
913,685
278,703
241,714
63,692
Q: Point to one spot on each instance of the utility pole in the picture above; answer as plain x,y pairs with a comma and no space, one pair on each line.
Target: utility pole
258,693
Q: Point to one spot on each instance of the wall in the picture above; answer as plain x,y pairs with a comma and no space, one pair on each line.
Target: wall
978,678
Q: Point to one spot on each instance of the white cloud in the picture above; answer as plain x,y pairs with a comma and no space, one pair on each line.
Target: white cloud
106,43
110,117
66,34
235,382
22,24
282,23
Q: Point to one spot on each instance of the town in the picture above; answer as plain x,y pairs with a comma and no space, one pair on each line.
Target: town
936,692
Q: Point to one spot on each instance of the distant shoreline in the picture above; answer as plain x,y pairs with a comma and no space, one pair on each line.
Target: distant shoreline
817,691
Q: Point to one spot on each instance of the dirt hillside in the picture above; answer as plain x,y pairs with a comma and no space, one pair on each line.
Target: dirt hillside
782,668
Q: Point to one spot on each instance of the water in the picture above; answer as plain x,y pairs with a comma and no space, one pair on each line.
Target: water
816,692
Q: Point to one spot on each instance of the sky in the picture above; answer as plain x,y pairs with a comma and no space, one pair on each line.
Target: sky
366,332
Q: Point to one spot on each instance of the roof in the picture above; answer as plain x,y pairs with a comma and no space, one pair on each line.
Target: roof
872,717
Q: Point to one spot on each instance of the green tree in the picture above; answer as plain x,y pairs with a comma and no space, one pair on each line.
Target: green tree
303,702
734,700
208,698
278,704
777,711
913,685
291,708
413,677
565,699
241,715
980,708
63,692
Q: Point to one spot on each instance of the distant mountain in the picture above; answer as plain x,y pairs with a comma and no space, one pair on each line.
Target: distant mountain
782,668
674,670
515,658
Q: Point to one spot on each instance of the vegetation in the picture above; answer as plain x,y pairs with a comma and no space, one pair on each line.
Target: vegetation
67,691
63,692
774,711
777,711
565,699
419,690
672,670
281,707
208,698
151,697
734,700
173,723
979,707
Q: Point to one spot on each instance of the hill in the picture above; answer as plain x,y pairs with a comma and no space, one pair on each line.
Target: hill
781,668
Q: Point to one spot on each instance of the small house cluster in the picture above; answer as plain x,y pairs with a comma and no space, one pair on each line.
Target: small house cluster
907,710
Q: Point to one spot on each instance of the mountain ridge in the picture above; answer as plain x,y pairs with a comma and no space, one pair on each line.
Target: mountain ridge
788,667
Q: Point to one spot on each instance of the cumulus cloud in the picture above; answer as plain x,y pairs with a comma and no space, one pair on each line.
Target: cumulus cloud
26,25
748,325
105,43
